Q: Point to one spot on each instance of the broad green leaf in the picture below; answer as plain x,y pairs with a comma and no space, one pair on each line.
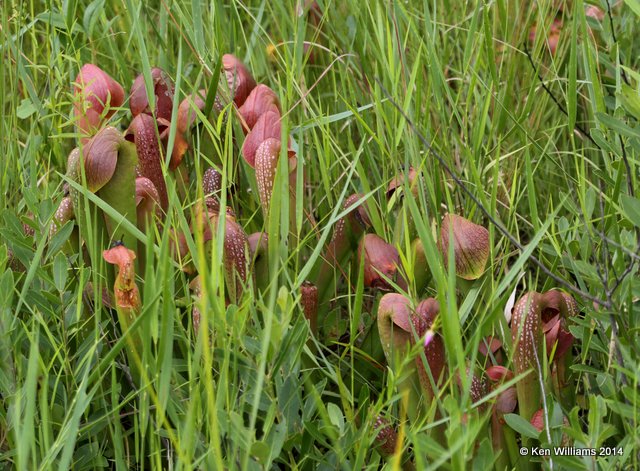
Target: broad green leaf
60,271
335,415
520,425
630,100
260,451
119,193
631,207
634,5
25,109
618,126
60,237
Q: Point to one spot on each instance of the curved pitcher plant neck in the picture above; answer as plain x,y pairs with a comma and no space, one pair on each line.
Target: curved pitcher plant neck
529,340
470,245
163,92
96,98
126,299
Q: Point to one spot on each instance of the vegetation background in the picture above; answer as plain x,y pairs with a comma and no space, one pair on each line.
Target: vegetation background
559,174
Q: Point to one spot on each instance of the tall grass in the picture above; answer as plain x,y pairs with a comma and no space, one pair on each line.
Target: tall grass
253,392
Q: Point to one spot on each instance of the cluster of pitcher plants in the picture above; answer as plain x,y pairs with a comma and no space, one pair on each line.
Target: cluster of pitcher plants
118,184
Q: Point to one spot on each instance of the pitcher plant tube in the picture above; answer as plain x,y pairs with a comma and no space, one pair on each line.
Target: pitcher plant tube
345,239
266,164
309,303
235,248
65,213
106,165
399,327
144,134
529,341
127,298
